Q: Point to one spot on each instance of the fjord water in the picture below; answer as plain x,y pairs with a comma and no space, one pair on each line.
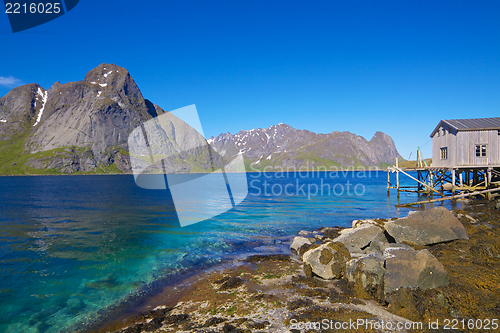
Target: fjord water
73,246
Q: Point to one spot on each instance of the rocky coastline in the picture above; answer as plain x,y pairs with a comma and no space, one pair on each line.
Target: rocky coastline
430,268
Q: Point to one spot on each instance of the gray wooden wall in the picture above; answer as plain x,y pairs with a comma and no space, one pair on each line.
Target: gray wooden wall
462,148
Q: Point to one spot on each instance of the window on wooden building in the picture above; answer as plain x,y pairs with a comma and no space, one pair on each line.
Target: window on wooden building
480,150
444,153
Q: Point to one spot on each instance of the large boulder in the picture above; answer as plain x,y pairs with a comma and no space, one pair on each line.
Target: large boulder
367,274
380,246
356,239
408,268
428,227
300,245
326,261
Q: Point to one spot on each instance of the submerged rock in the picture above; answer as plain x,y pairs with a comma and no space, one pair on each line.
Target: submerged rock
326,261
408,268
428,227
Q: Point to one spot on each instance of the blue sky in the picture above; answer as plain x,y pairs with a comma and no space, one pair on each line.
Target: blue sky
352,65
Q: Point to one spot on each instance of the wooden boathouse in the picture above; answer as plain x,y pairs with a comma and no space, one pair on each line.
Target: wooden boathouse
466,142
465,160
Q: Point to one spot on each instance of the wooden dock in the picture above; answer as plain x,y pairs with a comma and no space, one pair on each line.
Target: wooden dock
449,183
465,161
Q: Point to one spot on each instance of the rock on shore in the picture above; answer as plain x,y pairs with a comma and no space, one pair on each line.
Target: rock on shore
326,261
367,274
432,226
407,268
360,237
300,245
383,259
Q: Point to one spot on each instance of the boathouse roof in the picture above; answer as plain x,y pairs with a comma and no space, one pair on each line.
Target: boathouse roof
476,124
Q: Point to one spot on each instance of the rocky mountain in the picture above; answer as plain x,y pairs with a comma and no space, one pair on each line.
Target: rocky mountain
83,127
80,127
284,147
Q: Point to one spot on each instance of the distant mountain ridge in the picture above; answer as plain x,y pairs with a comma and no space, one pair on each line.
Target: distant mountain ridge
282,146
83,127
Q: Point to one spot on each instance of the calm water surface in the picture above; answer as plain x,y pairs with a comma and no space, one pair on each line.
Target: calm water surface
71,246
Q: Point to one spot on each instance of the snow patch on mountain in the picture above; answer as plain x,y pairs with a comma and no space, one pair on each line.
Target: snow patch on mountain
44,101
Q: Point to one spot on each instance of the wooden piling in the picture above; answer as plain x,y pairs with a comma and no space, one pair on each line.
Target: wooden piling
397,175
388,182
487,181
431,184
453,180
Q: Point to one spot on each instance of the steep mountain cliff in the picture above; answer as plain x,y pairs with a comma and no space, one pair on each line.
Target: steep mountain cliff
83,127
80,126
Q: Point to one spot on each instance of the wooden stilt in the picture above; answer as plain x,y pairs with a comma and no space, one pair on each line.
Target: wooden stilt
431,184
453,180
388,182
419,176
487,181
397,175
440,180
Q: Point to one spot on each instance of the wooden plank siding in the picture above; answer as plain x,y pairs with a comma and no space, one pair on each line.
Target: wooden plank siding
462,147
446,137
468,140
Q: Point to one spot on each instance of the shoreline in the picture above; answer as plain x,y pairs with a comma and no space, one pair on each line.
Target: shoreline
166,291
277,289
368,169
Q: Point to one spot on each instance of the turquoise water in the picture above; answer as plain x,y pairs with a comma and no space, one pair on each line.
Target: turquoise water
73,246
